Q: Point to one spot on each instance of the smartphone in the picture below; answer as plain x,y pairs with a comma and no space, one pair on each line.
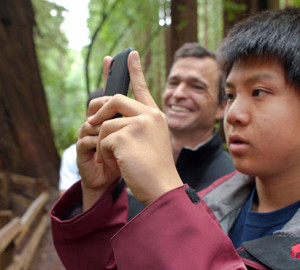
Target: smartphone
118,75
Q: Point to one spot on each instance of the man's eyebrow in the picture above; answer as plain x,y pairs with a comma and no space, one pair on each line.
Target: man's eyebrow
174,77
192,79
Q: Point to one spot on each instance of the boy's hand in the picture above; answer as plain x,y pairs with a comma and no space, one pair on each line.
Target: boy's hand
96,178
136,146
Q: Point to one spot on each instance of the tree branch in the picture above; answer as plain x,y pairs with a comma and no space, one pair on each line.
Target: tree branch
94,36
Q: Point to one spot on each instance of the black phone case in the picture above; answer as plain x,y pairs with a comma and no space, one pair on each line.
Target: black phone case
118,76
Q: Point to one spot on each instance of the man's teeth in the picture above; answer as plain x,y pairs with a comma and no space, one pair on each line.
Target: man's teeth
178,109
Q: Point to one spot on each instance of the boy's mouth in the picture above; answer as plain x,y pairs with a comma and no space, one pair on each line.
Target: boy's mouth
237,145
235,139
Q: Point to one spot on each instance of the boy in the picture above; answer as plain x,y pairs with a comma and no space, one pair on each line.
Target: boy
178,229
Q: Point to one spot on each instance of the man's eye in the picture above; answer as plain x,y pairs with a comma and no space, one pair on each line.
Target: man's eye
198,87
172,83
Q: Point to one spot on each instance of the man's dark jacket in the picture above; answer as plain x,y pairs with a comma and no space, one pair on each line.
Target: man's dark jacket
197,167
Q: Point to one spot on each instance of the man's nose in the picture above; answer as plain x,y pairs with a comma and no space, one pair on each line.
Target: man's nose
180,90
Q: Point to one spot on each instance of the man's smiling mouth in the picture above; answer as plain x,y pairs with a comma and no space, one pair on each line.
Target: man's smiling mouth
178,109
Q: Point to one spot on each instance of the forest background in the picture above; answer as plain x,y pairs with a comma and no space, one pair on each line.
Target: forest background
44,84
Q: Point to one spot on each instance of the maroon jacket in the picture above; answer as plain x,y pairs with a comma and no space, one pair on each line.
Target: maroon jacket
177,231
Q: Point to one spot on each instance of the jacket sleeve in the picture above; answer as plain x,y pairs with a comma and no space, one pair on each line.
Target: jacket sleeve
83,241
175,233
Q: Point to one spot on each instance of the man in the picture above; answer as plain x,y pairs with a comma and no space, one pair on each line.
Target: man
258,206
193,102
68,172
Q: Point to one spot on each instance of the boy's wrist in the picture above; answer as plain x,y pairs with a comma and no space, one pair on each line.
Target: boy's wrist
90,196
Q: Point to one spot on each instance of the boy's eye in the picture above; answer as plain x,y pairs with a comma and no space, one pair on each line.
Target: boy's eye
229,96
258,93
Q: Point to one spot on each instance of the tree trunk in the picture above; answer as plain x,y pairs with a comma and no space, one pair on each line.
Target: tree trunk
26,139
273,4
205,22
183,27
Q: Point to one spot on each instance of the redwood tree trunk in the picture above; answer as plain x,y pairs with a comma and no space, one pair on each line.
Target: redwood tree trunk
26,139
183,27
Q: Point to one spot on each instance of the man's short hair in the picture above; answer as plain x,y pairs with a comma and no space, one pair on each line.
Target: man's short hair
274,34
193,49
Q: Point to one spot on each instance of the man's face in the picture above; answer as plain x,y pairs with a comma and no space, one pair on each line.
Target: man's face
262,119
190,100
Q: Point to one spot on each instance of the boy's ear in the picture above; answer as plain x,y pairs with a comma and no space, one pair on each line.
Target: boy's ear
220,111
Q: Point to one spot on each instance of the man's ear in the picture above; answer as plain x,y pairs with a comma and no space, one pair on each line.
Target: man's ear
220,111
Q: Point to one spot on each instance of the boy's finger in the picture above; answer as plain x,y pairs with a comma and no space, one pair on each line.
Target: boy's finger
139,86
125,106
96,104
106,65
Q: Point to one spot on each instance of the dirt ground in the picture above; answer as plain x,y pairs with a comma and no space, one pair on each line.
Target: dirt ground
46,256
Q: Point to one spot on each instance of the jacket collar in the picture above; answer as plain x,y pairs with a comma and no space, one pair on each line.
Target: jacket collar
280,251
275,251
226,197
202,153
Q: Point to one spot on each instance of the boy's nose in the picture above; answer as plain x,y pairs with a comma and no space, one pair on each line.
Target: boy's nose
237,113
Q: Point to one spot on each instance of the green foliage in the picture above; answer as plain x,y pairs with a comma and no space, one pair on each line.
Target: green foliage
130,24
63,85
210,23
296,3
293,3
232,9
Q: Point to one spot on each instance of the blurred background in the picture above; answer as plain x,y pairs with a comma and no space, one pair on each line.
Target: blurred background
50,60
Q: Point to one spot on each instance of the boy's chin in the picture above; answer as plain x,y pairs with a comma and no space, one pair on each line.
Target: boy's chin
245,167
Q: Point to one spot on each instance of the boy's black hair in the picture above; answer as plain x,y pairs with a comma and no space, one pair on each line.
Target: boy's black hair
273,34
194,49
